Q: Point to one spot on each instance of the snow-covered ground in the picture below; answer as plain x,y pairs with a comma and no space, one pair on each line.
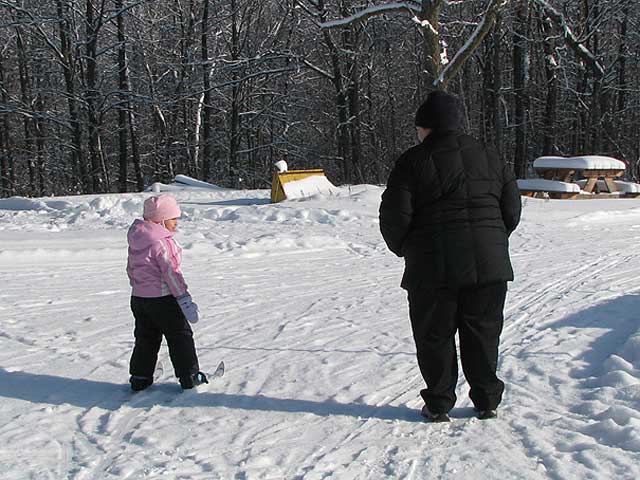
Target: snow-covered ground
301,300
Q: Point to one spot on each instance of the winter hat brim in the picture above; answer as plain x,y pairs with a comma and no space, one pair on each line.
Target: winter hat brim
161,208
440,111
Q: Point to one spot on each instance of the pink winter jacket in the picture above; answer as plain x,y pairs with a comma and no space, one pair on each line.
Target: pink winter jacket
154,260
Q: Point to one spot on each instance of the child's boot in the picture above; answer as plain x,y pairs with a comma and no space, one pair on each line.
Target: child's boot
140,383
193,380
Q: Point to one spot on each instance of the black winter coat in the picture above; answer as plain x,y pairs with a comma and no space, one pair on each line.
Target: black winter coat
448,209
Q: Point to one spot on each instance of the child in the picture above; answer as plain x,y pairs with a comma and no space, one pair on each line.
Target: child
160,302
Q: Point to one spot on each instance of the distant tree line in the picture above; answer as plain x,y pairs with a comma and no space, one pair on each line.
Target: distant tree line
111,95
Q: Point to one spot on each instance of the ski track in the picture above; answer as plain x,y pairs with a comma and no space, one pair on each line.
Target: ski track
321,376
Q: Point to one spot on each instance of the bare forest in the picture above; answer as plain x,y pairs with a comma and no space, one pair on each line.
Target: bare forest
112,95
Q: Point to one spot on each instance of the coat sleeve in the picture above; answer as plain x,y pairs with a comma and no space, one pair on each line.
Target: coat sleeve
168,260
510,203
396,208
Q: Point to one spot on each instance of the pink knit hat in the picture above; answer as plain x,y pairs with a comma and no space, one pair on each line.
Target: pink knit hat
161,208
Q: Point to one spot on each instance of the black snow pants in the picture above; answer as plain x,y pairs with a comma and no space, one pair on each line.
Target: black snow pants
156,317
477,315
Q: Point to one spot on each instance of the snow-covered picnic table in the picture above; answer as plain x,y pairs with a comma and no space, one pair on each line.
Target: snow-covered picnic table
592,167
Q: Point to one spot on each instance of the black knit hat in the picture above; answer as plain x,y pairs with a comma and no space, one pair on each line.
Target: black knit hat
440,111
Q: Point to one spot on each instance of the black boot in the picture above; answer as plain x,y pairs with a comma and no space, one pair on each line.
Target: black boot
140,383
434,417
193,380
486,414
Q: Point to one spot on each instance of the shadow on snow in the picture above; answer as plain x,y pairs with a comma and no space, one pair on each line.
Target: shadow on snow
53,390
618,318
238,202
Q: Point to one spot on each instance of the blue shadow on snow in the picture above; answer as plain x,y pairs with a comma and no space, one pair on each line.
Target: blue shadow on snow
239,202
53,390
619,316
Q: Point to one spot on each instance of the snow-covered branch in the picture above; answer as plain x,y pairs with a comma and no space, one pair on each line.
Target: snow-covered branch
373,10
461,56
583,52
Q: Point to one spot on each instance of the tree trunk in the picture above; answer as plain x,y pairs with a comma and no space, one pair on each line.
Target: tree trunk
520,76
99,181
40,142
124,97
206,99
622,61
6,158
550,67
431,44
352,94
25,97
234,140
69,72
126,115
492,87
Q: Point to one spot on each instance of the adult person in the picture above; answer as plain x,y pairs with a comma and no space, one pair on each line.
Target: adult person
448,209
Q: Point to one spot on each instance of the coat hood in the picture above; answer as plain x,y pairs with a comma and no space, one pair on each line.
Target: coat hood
143,233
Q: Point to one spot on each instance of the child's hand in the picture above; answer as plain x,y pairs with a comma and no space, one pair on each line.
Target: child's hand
188,307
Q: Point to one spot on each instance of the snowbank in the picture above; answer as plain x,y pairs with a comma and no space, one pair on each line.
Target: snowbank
21,203
180,183
192,182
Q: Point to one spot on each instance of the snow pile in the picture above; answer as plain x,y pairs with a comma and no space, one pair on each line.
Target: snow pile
307,187
192,182
281,166
584,162
181,182
22,204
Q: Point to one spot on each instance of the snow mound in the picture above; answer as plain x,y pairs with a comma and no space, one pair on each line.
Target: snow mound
310,186
192,182
180,183
30,204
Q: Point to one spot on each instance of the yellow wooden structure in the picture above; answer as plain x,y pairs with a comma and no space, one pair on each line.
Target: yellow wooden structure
280,178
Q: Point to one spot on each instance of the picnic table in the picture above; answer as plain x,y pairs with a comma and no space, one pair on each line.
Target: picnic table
592,167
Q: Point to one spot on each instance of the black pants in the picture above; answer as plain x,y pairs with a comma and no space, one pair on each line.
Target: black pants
156,317
477,315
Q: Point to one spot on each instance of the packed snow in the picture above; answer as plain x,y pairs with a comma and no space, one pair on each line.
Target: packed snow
301,300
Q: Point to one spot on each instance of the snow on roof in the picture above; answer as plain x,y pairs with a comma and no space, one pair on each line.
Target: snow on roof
309,186
584,162
541,185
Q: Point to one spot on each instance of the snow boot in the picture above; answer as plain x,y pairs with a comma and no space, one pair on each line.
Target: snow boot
487,414
139,383
193,380
434,417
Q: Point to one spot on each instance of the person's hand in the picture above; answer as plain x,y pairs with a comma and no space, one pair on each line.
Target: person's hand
188,307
